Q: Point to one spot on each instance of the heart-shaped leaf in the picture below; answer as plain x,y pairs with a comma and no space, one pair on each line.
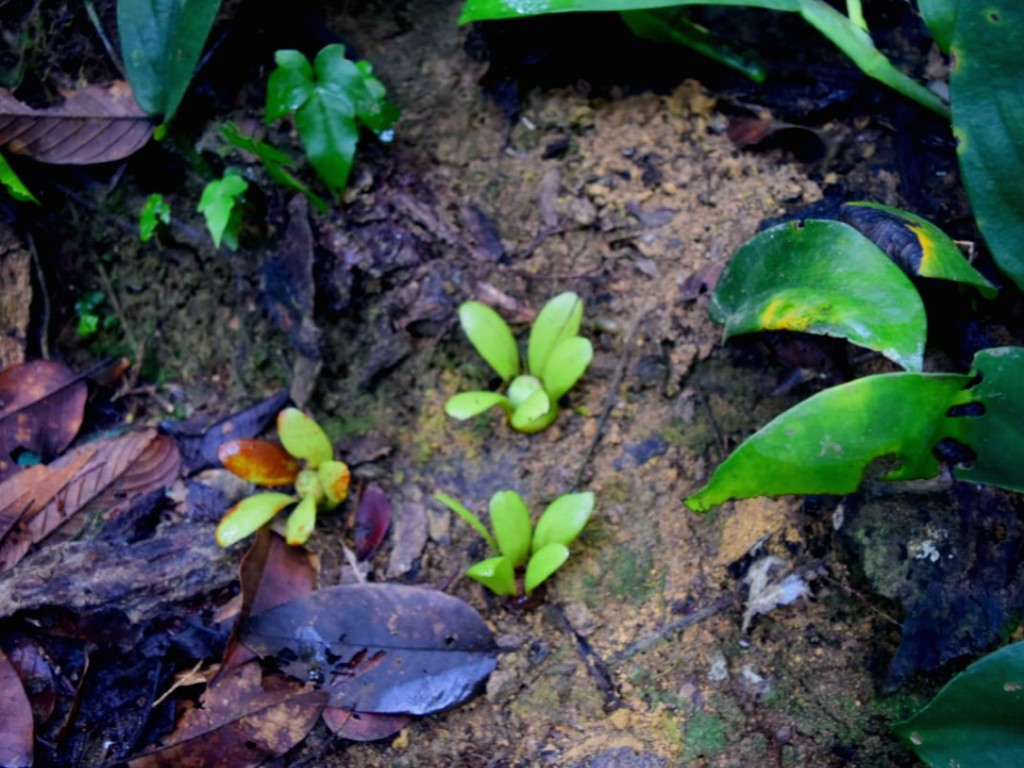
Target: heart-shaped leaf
510,521
491,337
543,564
557,321
563,520
303,438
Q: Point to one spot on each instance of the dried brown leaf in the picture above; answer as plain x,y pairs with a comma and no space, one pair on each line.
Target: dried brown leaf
93,125
16,734
27,492
363,726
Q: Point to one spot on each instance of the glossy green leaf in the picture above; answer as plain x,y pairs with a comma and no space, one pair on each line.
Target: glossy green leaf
940,17
977,720
373,108
467,516
301,522
567,363
543,564
987,92
249,515
557,320
161,41
496,574
154,212
563,520
535,414
523,388
14,185
826,278
303,438
219,206
289,86
914,243
491,338
825,444
483,10
510,521
466,405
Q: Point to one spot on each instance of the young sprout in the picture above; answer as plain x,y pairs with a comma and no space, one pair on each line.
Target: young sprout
305,462
540,550
557,357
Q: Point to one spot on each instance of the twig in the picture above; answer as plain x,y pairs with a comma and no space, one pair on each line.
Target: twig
594,663
670,629
722,450
44,322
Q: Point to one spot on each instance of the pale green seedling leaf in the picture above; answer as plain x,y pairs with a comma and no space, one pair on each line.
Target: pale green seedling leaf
301,522
161,41
466,405
218,205
566,364
557,320
977,720
563,520
154,212
543,564
249,515
472,520
491,338
826,278
940,17
523,388
825,444
303,438
496,574
14,185
510,521
535,414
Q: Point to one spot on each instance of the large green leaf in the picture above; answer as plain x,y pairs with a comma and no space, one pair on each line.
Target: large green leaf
491,338
566,364
940,16
161,41
557,320
824,444
987,92
510,521
482,10
823,277
977,720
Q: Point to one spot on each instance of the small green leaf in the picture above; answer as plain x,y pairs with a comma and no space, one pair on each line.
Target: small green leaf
154,212
977,720
218,205
496,574
491,338
249,515
563,520
557,320
335,479
543,564
289,86
373,108
523,388
301,522
473,521
566,364
15,187
535,414
510,521
823,277
303,438
466,405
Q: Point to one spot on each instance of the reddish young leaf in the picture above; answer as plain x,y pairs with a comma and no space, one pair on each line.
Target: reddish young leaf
16,735
259,462
373,518
363,726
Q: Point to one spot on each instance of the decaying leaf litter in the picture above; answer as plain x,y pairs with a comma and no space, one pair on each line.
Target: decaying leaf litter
640,656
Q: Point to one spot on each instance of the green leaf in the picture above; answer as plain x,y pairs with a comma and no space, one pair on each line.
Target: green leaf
826,278
510,521
940,17
563,520
161,41
535,414
154,212
15,187
303,438
917,245
466,405
567,363
977,720
824,444
496,574
491,338
987,92
543,564
557,320
301,522
467,516
289,86
373,108
523,388
218,205
249,515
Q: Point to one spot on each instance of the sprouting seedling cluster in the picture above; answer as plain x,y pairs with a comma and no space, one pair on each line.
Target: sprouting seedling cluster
557,356
304,460
539,550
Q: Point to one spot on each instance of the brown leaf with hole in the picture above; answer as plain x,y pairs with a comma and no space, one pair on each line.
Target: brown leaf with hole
93,125
16,736
117,471
41,408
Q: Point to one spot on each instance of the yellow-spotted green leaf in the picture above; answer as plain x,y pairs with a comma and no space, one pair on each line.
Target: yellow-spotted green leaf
259,462
563,520
557,320
468,517
977,720
491,337
510,521
543,564
566,364
535,414
249,515
301,522
824,444
496,574
914,243
823,277
303,438
987,93
466,405
335,478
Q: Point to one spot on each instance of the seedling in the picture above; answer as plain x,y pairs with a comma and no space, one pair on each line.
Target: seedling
556,358
540,550
306,462
91,315
220,206
154,212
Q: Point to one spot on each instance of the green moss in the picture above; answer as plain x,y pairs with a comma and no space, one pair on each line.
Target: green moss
704,735
627,573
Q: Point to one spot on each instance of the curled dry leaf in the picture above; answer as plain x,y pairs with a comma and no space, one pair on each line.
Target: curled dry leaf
93,125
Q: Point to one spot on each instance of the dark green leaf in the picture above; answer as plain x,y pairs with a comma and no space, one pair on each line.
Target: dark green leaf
275,162
289,86
940,16
491,338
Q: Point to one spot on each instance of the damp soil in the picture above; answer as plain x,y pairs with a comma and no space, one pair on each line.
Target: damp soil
514,175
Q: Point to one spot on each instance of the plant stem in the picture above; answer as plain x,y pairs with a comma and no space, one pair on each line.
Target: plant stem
856,14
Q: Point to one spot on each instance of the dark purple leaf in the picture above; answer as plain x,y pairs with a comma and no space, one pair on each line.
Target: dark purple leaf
373,518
